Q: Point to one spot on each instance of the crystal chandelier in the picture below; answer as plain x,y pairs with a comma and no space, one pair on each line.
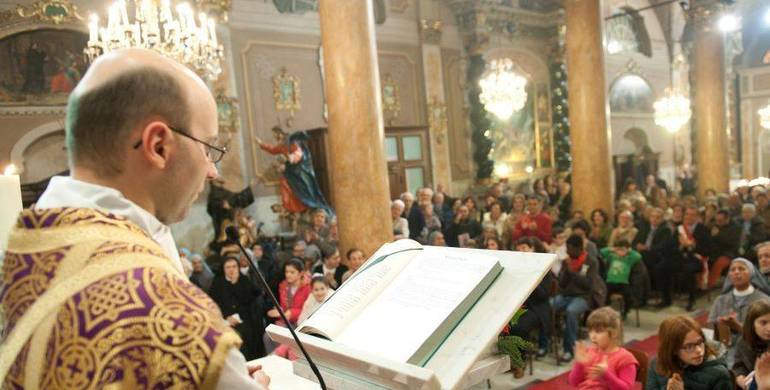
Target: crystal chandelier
502,89
672,111
155,27
764,116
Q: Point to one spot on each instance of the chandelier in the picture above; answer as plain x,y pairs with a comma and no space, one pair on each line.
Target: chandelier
764,116
182,38
672,111
502,89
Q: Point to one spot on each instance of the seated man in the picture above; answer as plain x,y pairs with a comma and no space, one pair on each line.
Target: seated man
725,240
331,268
687,259
753,231
578,272
654,242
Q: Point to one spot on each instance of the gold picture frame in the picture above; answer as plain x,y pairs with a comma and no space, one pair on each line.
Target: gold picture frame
391,105
286,92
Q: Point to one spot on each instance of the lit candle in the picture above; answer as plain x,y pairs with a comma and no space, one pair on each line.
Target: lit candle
93,29
10,203
213,32
123,12
165,11
203,30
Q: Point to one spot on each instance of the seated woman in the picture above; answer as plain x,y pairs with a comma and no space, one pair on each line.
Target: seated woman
538,314
601,228
741,289
685,360
237,297
755,342
292,292
625,230
356,259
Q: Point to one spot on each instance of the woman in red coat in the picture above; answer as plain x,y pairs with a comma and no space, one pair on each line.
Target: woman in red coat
292,292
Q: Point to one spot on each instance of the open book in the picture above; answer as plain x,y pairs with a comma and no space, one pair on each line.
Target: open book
405,300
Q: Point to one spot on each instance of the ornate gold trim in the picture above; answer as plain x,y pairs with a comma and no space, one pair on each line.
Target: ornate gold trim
430,31
48,11
226,341
437,119
57,294
285,99
391,103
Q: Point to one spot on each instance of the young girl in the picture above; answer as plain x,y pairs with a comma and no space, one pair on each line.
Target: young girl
755,340
320,293
603,364
685,360
292,293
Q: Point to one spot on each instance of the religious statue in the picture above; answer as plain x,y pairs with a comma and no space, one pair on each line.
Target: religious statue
222,206
34,76
299,187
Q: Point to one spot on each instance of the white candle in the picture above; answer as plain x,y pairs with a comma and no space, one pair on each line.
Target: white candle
213,32
10,203
93,29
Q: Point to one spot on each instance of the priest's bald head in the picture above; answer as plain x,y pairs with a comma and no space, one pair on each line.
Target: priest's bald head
147,126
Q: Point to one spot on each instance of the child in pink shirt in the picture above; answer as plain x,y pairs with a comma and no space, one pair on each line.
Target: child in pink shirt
603,364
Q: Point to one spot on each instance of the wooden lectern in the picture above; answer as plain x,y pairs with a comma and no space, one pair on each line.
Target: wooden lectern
468,355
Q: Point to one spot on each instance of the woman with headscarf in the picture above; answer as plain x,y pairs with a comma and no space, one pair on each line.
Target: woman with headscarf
743,286
201,273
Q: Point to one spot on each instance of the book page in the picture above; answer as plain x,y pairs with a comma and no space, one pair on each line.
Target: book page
397,323
360,289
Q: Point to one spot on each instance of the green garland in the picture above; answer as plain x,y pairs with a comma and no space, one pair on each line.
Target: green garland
482,145
560,116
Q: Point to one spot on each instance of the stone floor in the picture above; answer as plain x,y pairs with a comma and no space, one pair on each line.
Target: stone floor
546,368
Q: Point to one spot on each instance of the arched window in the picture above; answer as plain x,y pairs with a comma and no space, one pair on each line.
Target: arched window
631,93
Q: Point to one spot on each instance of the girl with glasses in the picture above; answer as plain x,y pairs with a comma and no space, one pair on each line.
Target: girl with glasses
685,360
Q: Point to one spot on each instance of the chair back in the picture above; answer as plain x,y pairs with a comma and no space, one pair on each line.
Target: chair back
644,362
723,334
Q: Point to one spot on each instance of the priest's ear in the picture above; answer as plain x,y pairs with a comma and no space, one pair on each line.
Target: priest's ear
157,143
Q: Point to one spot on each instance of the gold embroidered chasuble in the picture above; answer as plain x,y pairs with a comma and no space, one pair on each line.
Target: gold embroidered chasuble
90,301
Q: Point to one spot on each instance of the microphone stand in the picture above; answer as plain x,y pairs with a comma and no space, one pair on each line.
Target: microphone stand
233,236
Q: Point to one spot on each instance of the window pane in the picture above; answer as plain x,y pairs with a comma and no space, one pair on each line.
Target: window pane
391,149
412,147
414,179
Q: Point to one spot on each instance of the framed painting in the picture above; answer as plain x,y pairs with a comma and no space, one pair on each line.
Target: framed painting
41,67
391,105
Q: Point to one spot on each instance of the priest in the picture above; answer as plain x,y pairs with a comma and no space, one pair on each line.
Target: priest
93,292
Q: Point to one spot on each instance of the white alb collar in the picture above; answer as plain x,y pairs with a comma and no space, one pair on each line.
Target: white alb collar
64,191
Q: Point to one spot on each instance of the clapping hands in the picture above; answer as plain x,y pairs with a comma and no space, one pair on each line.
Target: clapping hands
596,371
762,371
675,383
583,357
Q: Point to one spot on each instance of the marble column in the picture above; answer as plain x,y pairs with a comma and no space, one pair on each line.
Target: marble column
359,177
430,35
589,130
711,144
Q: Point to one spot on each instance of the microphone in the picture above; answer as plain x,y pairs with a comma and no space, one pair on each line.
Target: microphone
233,235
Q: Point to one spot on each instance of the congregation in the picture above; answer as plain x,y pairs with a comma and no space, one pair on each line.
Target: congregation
655,240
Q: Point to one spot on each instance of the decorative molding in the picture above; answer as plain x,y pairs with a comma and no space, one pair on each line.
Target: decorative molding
48,11
216,8
286,92
17,152
391,102
437,119
33,111
430,31
227,113
702,15
398,6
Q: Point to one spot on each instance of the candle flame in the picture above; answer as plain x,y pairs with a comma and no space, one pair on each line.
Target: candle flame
10,170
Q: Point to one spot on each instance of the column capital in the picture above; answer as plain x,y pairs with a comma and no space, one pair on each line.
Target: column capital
702,14
430,31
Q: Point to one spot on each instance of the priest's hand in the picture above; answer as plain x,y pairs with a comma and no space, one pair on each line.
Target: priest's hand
255,371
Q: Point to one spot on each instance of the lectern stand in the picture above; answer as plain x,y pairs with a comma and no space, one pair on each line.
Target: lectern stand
467,356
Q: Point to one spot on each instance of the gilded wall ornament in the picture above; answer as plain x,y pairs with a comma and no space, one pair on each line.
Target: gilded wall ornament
430,31
216,8
437,119
50,11
286,92
391,106
227,112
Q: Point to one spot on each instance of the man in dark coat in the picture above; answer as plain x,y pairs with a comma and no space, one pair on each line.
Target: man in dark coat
654,242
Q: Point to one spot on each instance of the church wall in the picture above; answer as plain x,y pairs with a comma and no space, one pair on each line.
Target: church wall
655,71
